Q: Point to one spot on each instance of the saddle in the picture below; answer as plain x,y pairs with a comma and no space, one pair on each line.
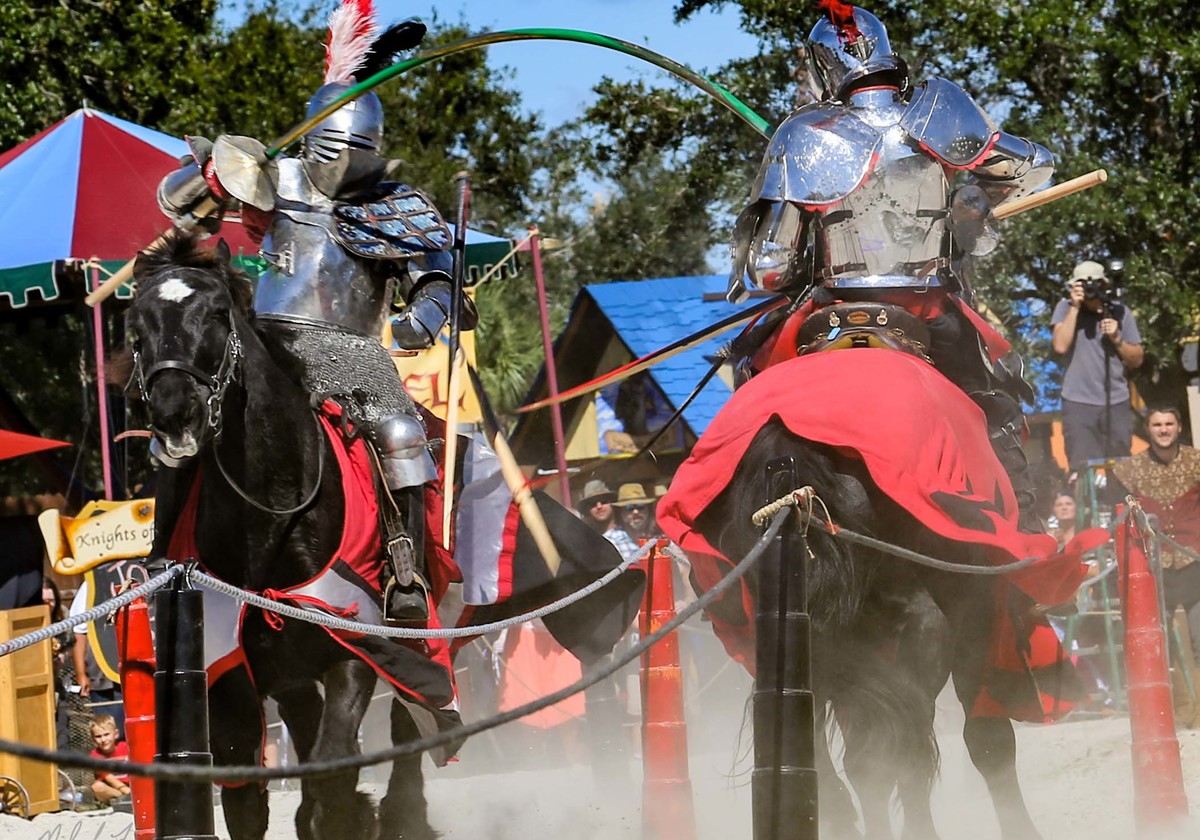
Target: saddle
841,326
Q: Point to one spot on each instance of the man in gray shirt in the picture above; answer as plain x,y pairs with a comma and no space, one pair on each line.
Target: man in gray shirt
1101,343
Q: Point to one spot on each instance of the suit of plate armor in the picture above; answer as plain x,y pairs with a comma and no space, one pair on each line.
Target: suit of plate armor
338,240
855,202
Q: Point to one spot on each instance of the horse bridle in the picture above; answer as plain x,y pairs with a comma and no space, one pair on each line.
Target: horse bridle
217,385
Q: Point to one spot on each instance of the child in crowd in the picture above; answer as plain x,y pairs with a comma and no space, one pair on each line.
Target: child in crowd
108,785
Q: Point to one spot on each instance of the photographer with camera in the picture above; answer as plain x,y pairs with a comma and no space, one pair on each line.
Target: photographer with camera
1096,333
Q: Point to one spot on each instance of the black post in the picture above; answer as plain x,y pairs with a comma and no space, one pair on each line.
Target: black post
184,809
784,782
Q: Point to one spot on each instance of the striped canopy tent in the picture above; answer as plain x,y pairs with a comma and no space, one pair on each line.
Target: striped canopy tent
84,189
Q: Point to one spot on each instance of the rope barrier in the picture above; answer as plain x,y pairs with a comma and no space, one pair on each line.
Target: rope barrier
806,496
315,615
179,772
98,611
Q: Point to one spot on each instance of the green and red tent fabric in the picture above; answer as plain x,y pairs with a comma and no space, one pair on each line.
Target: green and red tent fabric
84,189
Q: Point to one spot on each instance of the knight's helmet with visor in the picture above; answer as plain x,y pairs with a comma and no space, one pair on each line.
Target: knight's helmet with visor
848,49
342,150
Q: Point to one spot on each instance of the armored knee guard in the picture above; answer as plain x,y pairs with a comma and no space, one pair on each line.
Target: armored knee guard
404,451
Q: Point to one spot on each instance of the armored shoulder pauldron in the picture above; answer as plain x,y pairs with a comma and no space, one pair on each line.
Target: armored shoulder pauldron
949,123
392,221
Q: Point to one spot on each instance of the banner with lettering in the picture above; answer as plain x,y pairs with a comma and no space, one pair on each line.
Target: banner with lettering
101,532
425,376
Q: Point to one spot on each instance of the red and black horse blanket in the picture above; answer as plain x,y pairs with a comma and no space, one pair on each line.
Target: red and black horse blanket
925,445
499,565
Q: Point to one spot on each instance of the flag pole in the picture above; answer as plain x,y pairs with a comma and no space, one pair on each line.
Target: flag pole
101,385
560,441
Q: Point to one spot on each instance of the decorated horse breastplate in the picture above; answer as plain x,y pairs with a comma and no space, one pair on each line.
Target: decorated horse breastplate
312,278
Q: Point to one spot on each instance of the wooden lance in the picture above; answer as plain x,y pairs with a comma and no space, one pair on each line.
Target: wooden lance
453,379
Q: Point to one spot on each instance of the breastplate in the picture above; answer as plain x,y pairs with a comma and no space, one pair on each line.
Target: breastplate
310,278
890,232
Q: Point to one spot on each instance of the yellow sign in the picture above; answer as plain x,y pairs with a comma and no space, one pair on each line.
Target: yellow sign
425,376
103,531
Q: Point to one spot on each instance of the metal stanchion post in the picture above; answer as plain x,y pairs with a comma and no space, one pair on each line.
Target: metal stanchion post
185,809
784,781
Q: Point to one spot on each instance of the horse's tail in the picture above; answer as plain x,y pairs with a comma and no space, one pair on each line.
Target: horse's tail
884,713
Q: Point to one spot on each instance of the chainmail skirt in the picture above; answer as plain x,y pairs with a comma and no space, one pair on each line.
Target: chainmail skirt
353,369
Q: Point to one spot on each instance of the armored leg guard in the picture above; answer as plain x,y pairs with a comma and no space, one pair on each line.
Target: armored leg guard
406,465
1006,429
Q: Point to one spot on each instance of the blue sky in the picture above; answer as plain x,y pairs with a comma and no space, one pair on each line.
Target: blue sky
556,79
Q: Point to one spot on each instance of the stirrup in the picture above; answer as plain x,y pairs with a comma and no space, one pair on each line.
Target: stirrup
406,605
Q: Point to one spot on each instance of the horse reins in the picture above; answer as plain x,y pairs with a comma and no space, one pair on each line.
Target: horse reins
217,385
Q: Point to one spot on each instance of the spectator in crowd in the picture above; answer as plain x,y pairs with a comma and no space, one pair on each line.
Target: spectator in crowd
108,785
636,512
596,503
94,684
61,652
1099,339
1063,513
1166,480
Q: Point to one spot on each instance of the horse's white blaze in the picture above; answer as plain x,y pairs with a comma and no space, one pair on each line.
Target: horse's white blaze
174,290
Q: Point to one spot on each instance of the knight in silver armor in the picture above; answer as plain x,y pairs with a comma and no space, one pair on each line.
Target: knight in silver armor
342,242
883,191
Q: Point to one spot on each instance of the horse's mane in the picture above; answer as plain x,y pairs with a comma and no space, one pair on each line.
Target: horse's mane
183,250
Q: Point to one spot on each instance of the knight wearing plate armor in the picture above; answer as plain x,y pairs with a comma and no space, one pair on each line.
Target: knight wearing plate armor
869,204
341,241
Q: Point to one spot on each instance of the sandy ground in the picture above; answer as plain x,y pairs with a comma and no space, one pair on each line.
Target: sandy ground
1077,777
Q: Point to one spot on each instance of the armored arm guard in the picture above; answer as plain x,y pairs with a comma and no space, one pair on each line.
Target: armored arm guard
182,192
1013,168
952,127
769,247
429,296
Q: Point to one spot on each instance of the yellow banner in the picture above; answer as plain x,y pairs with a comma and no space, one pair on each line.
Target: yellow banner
425,376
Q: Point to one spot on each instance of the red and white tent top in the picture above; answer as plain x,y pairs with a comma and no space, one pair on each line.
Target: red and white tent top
84,188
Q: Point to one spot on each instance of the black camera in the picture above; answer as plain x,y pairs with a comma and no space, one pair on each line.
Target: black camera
1107,289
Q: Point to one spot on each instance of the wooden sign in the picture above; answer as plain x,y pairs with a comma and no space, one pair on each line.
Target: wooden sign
102,531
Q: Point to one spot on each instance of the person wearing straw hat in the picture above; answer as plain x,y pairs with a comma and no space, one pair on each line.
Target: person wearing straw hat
596,506
635,511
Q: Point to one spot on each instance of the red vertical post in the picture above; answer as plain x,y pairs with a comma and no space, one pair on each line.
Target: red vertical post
101,389
560,440
1159,797
668,812
136,646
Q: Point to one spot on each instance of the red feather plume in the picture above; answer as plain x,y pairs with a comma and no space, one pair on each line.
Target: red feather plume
841,15
352,31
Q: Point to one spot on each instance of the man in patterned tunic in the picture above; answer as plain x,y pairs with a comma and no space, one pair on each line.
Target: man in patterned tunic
1166,479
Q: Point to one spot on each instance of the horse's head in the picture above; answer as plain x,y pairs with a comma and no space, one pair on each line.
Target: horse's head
186,345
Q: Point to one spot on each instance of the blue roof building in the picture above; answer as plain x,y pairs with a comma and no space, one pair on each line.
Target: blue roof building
610,325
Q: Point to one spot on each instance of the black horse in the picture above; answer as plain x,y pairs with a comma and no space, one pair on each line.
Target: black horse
269,513
887,633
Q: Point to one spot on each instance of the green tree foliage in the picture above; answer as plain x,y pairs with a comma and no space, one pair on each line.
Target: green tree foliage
131,58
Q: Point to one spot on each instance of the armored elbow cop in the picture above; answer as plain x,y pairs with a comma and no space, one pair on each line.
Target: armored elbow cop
427,314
